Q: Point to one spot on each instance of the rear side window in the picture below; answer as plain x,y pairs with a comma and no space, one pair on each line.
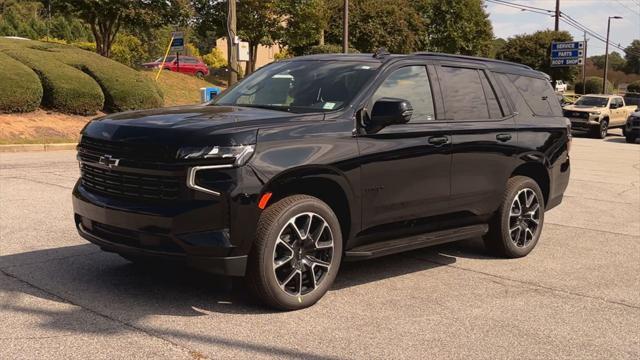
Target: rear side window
538,94
464,97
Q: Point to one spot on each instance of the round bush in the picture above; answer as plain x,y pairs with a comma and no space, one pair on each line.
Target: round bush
21,90
634,87
593,86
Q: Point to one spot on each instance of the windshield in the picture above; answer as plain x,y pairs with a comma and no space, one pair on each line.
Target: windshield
301,86
169,59
592,101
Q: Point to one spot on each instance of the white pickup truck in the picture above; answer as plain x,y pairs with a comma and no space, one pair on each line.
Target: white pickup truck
561,86
598,113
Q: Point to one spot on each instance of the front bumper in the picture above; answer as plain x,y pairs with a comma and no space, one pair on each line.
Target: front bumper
584,124
632,127
192,232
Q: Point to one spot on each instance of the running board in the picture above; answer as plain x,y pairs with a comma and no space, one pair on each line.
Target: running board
374,250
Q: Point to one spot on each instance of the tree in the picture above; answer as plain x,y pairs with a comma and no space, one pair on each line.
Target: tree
305,23
107,17
534,50
259,22
616,61
632,55
395,25
456,27
29,19
496,46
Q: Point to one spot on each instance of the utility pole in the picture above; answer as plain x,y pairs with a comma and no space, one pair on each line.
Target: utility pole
584,63
557,27
232,55
345,28
606,54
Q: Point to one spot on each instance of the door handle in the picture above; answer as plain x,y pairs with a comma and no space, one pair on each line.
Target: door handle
503,137
438,140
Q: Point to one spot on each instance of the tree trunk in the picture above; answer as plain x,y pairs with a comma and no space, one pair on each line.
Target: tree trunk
253,52
321,37
104,33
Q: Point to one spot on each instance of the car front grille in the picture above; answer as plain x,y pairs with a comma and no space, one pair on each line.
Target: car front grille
131,151
576,114
129,184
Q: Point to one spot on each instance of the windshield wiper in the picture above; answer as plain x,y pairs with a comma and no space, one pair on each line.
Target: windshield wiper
268,107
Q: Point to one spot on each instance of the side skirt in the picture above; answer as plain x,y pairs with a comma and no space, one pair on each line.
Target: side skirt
388,247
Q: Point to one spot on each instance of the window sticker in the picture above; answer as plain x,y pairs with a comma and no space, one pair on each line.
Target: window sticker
329,105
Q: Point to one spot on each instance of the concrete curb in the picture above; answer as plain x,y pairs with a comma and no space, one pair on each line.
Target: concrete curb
36,147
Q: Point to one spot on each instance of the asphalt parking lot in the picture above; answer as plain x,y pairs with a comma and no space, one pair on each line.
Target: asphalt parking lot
576,296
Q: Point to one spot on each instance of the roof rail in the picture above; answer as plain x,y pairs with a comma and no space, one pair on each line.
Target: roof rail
423,53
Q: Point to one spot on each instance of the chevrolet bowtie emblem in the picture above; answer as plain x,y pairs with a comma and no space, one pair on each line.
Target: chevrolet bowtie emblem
108,161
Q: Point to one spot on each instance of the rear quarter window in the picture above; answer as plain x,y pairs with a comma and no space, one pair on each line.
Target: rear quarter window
537,94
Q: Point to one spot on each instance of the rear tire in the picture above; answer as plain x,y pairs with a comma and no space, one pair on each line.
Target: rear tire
200,75
516,227
297,253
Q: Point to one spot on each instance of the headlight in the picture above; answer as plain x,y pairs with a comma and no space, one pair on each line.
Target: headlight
594,112
238,155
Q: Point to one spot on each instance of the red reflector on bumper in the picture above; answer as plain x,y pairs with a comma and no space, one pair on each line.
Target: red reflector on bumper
264,200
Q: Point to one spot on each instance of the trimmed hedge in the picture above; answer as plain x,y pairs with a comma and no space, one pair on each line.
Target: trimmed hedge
593,86
124,88
634,87
20,88
82,82
66,89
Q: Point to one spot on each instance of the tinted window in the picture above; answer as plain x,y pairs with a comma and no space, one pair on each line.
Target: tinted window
495,111
538,94
514,94
188,61
463,94
409,83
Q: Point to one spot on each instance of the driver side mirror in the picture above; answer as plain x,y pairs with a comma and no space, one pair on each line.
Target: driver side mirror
389,111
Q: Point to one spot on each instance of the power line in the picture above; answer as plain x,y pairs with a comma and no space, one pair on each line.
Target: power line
565,18
517,6
626,7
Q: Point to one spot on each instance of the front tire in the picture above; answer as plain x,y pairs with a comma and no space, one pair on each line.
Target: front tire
297,253
516,227
600,132
631,139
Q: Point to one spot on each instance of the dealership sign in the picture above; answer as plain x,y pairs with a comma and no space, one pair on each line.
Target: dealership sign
567,53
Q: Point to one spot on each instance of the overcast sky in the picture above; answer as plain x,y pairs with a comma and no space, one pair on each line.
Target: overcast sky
593,14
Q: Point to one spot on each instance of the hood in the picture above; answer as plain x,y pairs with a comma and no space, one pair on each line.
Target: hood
192,125
584,108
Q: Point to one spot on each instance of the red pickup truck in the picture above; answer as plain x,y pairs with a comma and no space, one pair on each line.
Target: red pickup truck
188,65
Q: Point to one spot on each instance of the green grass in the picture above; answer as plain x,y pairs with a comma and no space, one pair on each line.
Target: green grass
178,89
82,82
20,88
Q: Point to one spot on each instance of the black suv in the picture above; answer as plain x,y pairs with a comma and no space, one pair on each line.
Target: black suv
325,158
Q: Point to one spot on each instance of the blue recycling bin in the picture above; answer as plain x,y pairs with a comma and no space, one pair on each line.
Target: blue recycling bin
208,93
